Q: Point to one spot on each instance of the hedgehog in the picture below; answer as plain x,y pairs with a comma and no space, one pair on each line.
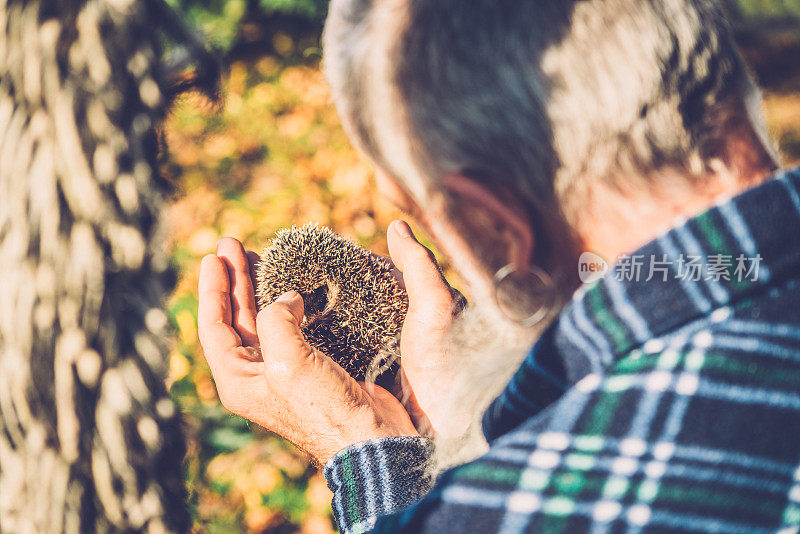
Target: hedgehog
354,304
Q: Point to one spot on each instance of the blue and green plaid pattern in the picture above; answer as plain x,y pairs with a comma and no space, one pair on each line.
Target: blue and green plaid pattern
663,405
376,477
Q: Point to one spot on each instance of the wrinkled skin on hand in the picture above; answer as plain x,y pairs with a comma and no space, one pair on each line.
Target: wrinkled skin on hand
266,372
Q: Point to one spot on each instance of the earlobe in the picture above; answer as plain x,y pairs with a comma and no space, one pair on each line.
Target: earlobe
506,215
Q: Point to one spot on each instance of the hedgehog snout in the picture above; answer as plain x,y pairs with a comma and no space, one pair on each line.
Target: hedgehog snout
320,301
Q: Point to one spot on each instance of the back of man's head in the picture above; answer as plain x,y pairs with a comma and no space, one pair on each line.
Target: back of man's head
543,98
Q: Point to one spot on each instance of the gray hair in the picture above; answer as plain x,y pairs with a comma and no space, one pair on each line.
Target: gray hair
538,97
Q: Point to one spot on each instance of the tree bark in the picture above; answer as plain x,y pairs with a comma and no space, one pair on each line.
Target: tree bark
89,439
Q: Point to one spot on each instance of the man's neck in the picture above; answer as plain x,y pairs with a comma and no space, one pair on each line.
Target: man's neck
618,222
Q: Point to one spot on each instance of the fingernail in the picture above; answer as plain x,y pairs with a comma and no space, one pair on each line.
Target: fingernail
402,229
288,296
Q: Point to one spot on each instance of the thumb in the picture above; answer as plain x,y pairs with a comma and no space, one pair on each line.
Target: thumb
282,343
422,277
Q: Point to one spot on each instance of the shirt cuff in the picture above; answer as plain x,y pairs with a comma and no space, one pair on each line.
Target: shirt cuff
377,477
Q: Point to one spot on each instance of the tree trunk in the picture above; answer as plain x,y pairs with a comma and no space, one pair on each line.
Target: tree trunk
89,439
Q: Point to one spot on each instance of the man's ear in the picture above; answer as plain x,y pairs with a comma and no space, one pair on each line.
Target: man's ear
505,214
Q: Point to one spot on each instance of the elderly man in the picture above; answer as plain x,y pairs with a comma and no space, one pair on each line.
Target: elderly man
531,139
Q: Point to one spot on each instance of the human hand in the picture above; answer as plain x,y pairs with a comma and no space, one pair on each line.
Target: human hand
426,369
267,373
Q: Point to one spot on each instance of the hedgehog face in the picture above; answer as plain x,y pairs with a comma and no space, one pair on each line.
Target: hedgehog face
354,306
320,301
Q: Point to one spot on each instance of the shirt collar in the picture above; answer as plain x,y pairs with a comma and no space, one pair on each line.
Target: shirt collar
711,261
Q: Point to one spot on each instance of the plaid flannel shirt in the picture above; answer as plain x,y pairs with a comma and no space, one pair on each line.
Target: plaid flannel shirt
657,402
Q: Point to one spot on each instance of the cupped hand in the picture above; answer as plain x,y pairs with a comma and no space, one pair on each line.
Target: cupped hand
426,366
266,372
